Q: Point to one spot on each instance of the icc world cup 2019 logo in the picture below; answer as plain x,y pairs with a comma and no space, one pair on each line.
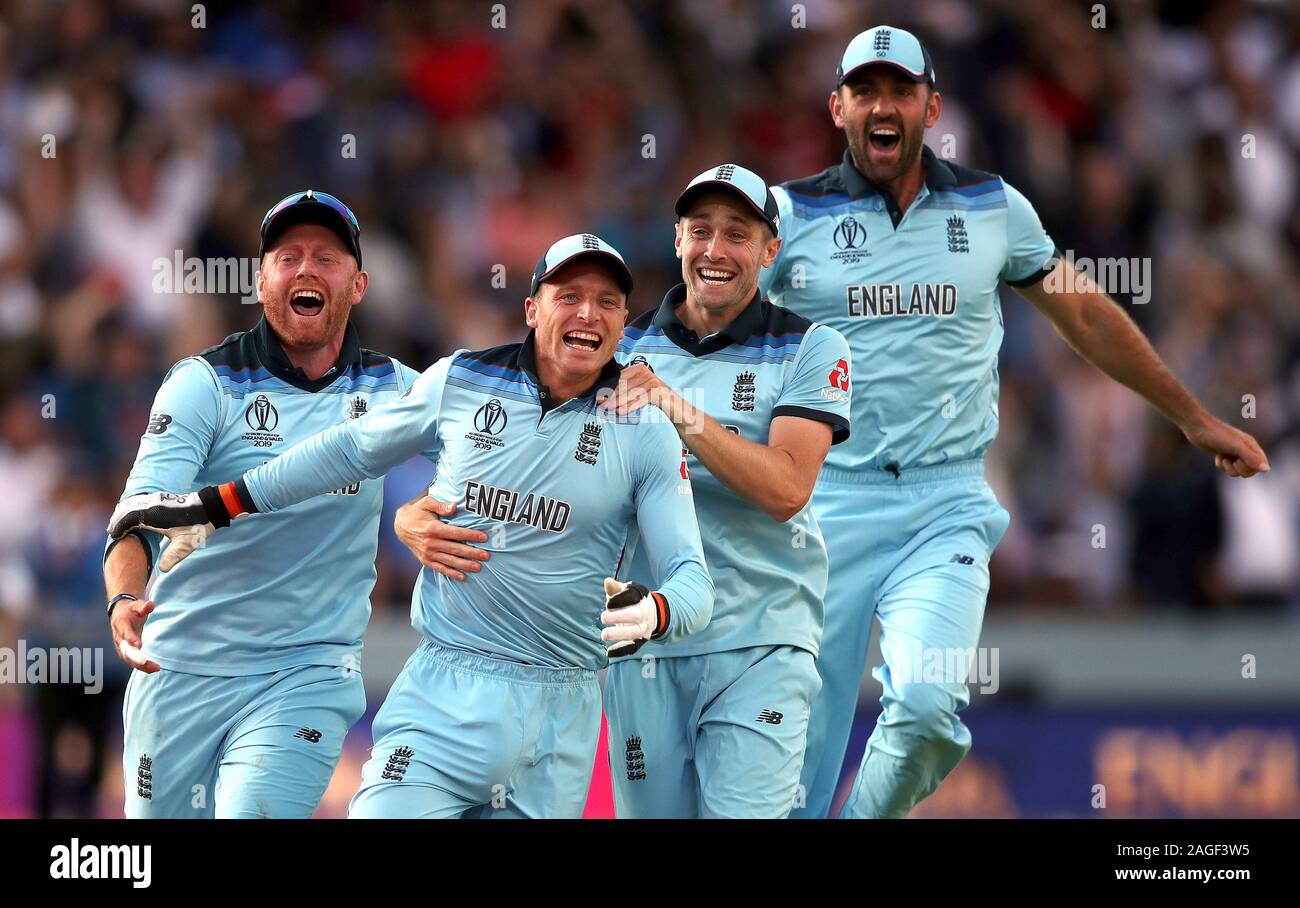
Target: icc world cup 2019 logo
850,237
489,422
491,417
849,234
261,416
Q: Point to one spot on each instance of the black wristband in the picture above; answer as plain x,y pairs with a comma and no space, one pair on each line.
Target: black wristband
223,503
118,598
213,507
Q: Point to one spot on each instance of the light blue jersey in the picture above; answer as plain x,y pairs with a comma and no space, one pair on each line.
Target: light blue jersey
769,362
560,491
910,523
291,589
915,293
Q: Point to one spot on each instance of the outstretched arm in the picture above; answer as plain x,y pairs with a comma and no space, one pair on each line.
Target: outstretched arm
349,452
1103,334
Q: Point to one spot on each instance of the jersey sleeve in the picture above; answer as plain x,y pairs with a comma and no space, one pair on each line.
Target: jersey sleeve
183,424
819,386
772,280
406,377
665,513
1031,254
356,449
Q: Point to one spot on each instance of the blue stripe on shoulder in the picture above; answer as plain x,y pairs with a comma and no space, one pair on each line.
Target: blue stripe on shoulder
487,385
479,367
631,334
818,201
496,377
973,189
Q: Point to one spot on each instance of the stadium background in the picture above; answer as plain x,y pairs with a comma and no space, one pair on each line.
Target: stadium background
1170,135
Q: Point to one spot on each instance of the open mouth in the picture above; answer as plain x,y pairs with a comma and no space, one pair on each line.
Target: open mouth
307,302
714,277
582,340
884,138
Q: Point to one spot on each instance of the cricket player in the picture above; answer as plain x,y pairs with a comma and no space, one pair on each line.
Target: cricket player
249,662
715,725
903,254
497,712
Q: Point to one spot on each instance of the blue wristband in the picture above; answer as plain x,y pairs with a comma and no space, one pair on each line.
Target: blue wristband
118,598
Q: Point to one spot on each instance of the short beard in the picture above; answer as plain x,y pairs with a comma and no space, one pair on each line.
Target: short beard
860,148
332,323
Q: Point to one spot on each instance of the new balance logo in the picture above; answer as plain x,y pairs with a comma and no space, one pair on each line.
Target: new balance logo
588,444
398,763
635,759
144,778
961,559
770,716
309,735
742,396
958,241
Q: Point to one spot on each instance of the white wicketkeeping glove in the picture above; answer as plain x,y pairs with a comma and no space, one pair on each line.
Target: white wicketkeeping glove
634,615
187,520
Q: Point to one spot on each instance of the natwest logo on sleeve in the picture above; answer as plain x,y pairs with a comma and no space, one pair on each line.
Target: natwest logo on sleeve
839,382
840,376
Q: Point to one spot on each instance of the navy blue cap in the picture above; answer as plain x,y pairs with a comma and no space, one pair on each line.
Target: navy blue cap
311,207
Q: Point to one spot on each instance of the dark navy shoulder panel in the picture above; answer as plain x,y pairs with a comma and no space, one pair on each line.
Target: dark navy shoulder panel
827,183
780,322
643,321
374,361
967,176
505,357
236,352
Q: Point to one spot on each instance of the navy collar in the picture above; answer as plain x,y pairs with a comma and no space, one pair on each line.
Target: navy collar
270,353
750,320
527,357
937,175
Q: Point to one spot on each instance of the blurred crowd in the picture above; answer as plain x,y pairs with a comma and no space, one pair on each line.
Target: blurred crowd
468,136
